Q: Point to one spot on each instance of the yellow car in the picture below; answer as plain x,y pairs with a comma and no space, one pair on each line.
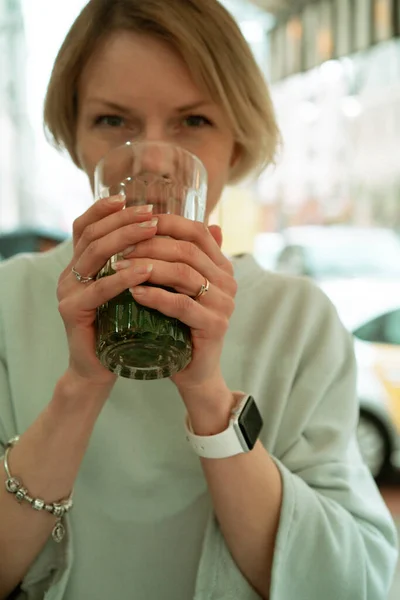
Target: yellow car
370,309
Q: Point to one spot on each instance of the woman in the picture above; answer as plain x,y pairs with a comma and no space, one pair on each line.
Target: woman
298,516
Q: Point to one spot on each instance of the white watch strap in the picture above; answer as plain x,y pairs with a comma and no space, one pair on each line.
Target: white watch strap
223,445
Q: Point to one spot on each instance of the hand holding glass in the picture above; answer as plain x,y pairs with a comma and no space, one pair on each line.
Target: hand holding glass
134,341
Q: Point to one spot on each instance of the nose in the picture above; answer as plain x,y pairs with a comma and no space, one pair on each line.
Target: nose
153,172
154,131
153,157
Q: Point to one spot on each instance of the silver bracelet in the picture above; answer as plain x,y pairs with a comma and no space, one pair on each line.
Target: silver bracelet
15,486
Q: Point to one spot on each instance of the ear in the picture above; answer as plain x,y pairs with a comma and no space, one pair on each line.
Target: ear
236,154
216,232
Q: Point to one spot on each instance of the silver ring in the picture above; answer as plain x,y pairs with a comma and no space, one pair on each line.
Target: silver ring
81,278
203,290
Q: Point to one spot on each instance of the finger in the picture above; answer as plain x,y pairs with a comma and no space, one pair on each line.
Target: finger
98,252
216,232
101,291
184,280
98,210
206,322
99,229
179,276
180,228
176,251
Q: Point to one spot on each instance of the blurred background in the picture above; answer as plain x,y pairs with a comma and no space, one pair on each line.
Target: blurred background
330,207
334,71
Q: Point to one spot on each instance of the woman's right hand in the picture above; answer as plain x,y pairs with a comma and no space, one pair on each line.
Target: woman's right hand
104,230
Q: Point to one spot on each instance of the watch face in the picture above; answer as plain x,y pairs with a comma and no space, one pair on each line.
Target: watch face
250,422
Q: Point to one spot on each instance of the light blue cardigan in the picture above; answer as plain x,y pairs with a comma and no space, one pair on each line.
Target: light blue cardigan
287,347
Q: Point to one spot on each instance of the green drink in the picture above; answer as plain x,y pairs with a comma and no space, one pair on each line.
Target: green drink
141,343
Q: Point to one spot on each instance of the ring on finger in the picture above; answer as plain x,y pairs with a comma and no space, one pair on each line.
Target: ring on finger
203,290
80,278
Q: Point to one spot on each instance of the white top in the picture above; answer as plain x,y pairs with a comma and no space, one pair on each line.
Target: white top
142,509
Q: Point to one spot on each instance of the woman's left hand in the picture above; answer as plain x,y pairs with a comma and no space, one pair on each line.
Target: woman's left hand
188,255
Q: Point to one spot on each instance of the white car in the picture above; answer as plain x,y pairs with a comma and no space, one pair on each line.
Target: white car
267,247
338,251
370,309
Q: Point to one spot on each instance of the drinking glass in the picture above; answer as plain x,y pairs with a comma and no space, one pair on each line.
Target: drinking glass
134,341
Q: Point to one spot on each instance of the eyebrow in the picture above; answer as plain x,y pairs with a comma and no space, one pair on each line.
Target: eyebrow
111,105
196,105
124,109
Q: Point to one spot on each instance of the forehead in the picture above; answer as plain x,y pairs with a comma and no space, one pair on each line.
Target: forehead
131,65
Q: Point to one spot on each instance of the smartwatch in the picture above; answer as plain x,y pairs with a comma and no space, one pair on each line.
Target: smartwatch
241,436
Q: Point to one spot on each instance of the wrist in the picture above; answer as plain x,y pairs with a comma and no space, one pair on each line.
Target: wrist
73,394
209,407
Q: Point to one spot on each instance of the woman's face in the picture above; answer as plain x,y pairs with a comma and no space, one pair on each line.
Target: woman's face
136,87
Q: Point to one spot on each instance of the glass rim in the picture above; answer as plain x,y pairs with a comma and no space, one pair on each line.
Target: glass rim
135,143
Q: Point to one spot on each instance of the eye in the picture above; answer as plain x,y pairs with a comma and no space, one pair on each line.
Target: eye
196,121
109,121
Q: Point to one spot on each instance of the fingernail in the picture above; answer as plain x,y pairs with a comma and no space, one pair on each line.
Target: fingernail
141,270
128,251
149,224
138,291
143,210
122,264
120,198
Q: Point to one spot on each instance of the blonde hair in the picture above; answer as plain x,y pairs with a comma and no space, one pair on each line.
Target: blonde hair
208,39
